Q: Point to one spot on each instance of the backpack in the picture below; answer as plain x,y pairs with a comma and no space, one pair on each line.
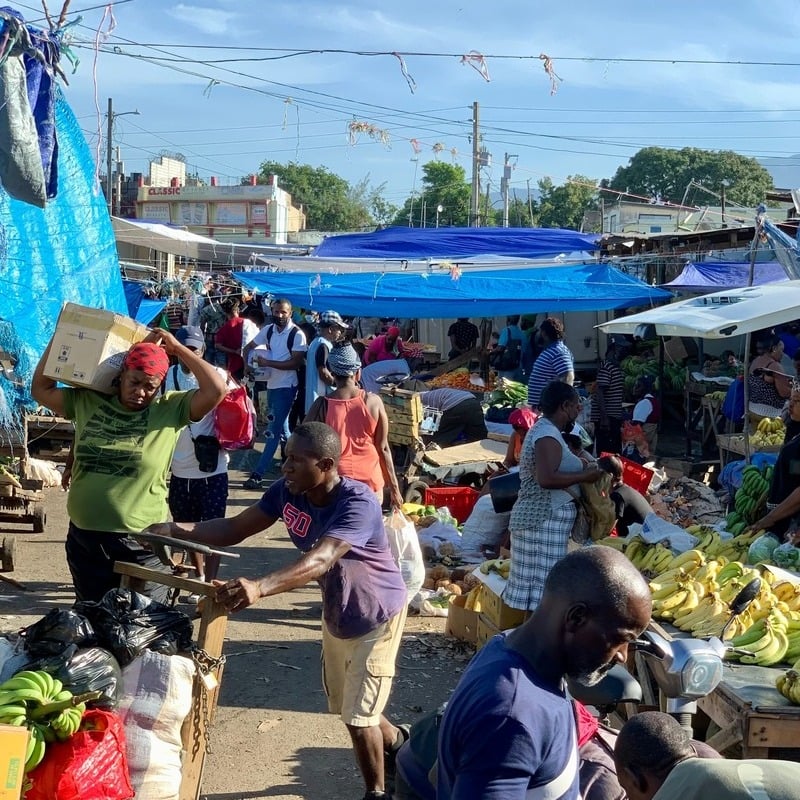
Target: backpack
301,370
235,420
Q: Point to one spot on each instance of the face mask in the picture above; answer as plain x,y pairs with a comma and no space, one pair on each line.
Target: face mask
310,318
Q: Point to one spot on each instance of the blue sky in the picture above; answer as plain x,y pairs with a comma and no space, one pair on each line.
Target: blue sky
298,108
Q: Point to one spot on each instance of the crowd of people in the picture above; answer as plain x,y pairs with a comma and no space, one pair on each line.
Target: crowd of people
510,728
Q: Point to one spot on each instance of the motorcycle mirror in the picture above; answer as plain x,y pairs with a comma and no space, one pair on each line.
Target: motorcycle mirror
745,596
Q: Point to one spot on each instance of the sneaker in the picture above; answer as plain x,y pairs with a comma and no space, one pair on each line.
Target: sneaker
191,599
253,483
376,795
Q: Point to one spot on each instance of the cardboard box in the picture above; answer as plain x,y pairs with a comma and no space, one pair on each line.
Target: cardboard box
494,610
462,623
13,749
486,629
89,345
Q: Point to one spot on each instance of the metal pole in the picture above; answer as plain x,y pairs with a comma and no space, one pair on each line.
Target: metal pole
476,186
722,200
109,156
506,175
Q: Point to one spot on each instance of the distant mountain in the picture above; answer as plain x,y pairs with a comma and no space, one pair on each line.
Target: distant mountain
785,171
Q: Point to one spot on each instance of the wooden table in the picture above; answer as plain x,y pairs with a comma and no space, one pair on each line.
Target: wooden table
733,443
754,719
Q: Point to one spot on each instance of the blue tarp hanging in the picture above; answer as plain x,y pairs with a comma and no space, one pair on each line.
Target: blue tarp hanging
707,276
63,252
140,308
413,243
488,293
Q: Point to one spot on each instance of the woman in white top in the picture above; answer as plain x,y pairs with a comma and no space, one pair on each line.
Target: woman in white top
545,510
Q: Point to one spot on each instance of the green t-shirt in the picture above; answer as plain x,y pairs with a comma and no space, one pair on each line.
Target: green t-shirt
122,458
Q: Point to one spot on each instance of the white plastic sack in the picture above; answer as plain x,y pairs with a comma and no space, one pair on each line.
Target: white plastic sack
404,543
45,471
655,529
156,699
484,527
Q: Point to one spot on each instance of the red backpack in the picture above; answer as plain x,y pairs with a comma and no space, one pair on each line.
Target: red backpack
235,420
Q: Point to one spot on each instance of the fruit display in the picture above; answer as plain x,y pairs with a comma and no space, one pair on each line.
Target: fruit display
647,558
750,499
788,684
38,701
509,393
769,433
462,378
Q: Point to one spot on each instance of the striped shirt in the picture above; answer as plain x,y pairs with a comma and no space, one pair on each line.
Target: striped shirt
554,360
609,380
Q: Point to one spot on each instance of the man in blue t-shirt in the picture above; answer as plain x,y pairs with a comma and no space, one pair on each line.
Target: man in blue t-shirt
508,732
337,524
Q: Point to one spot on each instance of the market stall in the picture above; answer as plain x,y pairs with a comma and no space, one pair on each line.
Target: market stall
719,316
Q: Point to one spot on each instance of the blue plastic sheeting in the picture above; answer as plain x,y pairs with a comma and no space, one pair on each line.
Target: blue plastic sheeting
140,308
713,275
488,293
64,252
149,311
412,243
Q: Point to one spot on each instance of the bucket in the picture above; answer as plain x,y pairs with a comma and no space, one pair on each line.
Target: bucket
504,490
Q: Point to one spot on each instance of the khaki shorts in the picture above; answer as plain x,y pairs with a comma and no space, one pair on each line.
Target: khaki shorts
357,673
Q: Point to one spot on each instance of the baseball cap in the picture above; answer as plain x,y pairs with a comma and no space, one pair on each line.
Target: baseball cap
327,318
190,336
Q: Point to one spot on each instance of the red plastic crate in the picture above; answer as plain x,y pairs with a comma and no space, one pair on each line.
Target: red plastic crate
634,475
460,500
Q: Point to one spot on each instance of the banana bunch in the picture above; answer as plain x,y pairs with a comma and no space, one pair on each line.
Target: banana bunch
37,700
650,558
502,566
734,549
750,498
612,541
769,433
766,642
788,684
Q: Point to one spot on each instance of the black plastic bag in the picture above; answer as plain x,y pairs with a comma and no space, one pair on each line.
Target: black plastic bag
92,669
127,623
56,631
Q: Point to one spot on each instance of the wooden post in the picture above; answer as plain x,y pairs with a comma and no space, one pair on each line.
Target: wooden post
210,638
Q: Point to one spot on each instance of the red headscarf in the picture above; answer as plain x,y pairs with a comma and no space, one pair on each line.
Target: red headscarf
147,357
523,418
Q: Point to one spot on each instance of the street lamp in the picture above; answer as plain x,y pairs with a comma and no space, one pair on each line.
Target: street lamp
112,115
439,210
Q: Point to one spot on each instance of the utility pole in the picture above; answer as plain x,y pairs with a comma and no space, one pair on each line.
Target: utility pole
109,156
476,180
722,200
530,203
112,115
505,184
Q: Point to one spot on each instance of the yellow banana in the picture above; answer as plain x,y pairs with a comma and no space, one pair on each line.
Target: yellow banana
689,557
664,591
677,599
773,653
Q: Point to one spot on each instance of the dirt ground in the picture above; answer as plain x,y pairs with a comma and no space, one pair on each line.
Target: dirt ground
272,736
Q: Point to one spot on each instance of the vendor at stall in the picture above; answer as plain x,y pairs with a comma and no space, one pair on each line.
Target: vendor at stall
783,501
767,382
461,416
386,347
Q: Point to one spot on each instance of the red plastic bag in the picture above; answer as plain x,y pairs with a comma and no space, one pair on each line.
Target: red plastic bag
91,765
235,420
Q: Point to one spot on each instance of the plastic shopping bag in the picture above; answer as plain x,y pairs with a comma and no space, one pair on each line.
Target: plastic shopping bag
91,765
404,543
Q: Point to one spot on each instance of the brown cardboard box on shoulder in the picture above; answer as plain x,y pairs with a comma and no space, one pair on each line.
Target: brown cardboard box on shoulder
89,345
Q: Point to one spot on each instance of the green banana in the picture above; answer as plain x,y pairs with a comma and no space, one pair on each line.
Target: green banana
37,752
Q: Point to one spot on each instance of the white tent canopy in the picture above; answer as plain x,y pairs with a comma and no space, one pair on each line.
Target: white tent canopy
720,315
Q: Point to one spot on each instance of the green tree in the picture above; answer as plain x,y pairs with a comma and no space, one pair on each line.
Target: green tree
329,201
656,172
564,206
519,214
443,185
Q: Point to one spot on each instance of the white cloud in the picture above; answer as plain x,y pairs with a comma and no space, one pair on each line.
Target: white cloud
207,20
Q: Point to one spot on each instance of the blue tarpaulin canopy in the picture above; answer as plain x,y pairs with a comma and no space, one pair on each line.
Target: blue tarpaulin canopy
704,276
583,287
140,308
414,243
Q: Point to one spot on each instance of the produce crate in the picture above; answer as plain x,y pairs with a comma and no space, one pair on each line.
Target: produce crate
500,615
486,629
462,623
404,410
460,500
635,475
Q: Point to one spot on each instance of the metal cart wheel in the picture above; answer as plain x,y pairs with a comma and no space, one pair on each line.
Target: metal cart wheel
39,518
415,493
7,547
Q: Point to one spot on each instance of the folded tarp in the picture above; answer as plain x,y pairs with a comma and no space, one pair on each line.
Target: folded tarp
707,276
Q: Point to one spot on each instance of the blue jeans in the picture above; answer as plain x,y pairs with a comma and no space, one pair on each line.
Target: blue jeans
280,404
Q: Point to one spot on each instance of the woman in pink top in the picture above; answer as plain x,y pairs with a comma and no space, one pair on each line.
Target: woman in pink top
385,348
361,422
